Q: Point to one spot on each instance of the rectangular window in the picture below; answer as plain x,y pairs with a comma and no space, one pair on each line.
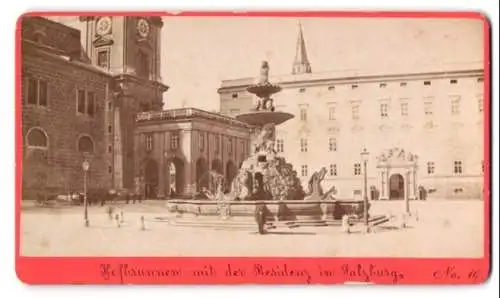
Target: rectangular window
143,64
331,113
455,106
403,84
384,110
234,95
174,140
404,109
428,110
383,85
90,103
331,88
110,149
303,171
355,112
32,91
37,92
453,81
333,170
457,167
357,169
149,142
430,167
332,144
280,146
427,83
303,114
480,80
230,145
302,90
81,101
202,141
103,58
354,86
42,93
303,145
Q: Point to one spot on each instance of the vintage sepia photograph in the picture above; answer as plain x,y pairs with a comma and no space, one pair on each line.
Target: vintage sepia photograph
179,136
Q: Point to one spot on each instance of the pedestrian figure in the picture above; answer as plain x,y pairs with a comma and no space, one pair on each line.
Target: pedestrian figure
121,215
110,210
143,226
345,224
117,218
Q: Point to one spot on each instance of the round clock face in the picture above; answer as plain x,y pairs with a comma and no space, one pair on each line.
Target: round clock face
143,27
103,26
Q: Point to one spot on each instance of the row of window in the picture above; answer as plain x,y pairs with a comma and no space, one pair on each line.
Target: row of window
381,85
37,138
332,171
384,108
175,139
401,84
38,95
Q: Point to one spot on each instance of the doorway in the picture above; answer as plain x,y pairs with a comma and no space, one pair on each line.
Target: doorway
396,187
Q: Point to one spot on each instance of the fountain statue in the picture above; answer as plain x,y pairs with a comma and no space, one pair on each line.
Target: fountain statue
280,182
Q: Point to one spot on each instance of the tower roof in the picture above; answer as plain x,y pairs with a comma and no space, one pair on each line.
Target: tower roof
301,63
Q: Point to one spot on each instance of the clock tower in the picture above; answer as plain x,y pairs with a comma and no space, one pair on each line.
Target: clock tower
129,49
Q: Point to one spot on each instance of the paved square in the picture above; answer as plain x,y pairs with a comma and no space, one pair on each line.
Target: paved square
445,229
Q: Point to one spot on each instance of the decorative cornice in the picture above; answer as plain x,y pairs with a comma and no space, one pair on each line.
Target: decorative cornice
101,41
133,78
308,80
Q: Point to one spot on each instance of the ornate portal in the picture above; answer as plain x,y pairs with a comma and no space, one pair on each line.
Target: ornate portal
397,174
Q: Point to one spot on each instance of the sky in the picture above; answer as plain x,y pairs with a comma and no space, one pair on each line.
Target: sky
199,52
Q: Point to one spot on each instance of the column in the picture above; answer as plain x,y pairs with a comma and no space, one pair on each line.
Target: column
384,185
163,169
407,189
118,150
186,142
411,184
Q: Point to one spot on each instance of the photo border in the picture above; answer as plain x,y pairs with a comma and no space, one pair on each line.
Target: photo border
111,270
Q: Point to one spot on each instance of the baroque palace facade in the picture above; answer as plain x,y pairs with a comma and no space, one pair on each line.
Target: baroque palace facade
91,90
424,132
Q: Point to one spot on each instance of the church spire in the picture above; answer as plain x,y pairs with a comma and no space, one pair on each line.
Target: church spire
301,63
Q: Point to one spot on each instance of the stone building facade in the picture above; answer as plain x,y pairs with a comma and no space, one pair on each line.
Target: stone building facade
176,148
63,109
82,87
423,131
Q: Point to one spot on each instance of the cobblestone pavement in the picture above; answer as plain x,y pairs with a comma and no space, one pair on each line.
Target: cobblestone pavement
444,229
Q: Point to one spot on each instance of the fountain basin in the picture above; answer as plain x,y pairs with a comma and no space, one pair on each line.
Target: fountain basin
260,118
278,210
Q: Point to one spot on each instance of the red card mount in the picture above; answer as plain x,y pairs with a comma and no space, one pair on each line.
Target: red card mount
209,206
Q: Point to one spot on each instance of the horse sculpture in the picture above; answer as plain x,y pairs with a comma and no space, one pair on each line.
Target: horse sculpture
315,190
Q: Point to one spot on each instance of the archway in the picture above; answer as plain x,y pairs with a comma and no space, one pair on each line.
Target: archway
151,174
230,172
396,187
175,177
217,166
201,177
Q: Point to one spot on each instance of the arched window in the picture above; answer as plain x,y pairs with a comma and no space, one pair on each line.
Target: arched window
37,138
85,144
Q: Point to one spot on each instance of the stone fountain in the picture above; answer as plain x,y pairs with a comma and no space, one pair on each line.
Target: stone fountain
280,181
266,178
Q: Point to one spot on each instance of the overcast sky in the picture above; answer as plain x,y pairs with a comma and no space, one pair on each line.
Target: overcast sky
197,53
